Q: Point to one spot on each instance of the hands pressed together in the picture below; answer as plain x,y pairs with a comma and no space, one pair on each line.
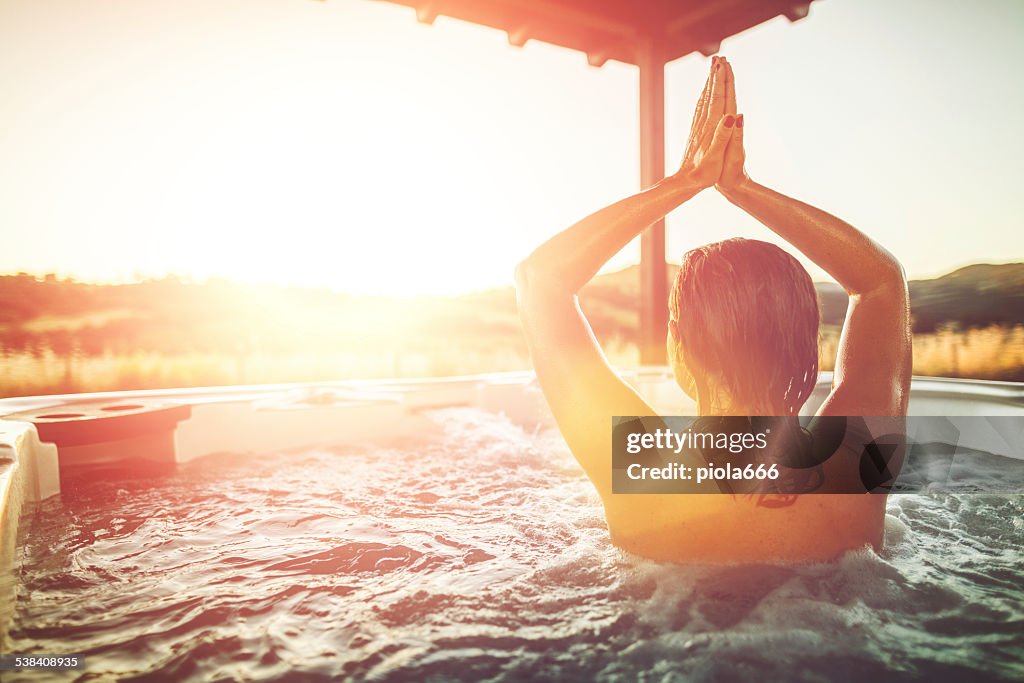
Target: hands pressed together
714,152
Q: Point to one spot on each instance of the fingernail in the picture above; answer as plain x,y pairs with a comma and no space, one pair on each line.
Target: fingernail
728,121
739,121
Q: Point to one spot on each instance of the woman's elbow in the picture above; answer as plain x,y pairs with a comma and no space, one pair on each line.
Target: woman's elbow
525,277
539,289
530,278
888,278
895,278
521,277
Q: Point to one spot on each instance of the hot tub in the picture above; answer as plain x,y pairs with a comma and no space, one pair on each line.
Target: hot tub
439,529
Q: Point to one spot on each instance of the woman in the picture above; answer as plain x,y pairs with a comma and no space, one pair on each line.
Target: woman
742,340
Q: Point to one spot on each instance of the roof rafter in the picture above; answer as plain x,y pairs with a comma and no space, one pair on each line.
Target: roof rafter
615,29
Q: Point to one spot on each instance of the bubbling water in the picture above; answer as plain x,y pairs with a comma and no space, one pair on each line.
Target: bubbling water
481,554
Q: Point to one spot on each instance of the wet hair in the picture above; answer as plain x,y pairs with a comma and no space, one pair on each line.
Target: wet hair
745,315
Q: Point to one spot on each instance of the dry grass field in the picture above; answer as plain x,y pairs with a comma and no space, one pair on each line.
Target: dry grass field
994,352
67,337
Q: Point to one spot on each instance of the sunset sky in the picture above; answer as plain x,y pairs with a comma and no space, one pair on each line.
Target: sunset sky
343,144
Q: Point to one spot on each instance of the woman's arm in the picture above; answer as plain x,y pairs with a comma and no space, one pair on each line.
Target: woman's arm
582,389
580,386
571,258
872,374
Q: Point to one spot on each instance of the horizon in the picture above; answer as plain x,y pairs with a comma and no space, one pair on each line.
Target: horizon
216,279
455,153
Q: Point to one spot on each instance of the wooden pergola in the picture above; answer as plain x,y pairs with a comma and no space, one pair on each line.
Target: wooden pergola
649,34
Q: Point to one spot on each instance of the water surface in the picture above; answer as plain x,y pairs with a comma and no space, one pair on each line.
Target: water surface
481,554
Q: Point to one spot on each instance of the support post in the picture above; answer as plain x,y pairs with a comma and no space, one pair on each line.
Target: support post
653,271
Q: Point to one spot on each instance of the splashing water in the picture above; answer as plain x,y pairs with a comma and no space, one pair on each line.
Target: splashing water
482,554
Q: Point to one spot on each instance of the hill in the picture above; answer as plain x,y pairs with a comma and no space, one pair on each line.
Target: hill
975,296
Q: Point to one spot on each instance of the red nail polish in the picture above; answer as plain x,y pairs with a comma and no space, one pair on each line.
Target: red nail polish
739,121
728,121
